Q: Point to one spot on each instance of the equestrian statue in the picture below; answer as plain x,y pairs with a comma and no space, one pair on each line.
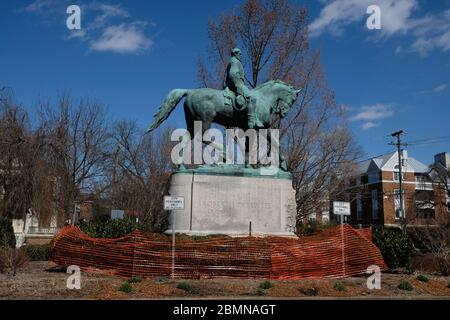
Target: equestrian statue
236,106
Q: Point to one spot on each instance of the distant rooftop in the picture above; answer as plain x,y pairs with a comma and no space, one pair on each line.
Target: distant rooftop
379,162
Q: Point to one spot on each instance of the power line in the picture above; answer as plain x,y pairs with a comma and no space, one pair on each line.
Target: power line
430,140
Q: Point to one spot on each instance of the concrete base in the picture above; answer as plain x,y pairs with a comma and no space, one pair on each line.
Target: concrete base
216,204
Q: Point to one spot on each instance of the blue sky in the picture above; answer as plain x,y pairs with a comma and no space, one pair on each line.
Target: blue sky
129,54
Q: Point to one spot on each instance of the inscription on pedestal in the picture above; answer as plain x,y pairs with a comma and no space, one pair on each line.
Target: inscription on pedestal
227,204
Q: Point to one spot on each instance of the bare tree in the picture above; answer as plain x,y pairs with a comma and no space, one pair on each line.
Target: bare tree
25,177
77,143
140,168
441,178
273,36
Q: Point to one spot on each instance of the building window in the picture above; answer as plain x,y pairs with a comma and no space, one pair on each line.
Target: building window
424,209
397,176
423,183
375,204
398,212
359,207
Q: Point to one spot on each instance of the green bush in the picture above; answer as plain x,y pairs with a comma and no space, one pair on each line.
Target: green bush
266,285
184,286
397,248
339,286
126,287
37,252
135,280
7,237
104,227
405,285
423,278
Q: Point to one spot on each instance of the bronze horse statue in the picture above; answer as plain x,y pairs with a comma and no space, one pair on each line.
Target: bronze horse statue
211,106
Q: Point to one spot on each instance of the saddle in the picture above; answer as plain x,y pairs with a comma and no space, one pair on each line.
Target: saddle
230,100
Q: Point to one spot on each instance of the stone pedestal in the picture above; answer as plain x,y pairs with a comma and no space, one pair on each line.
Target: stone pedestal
221,204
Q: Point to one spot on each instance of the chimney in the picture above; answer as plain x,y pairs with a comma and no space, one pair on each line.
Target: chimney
443,159
404,157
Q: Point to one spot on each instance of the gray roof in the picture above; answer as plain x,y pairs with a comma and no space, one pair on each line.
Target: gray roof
380,161
418,166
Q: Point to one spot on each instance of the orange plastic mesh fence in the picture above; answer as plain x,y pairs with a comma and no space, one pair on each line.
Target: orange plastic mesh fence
139,254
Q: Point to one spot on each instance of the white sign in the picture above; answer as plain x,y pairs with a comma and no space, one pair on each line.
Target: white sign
173,203
341,208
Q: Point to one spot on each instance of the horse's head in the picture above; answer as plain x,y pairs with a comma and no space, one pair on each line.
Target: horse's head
285,96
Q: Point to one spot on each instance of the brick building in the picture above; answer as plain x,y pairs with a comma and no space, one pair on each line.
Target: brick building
374,192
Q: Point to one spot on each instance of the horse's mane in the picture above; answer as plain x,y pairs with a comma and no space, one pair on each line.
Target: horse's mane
272,82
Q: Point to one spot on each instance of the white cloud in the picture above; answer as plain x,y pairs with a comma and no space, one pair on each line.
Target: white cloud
440,88
369,125
429,32
122,39
105,27
337,14
374,112
40,6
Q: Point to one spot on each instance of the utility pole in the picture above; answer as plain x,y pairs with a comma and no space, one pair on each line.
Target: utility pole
398,134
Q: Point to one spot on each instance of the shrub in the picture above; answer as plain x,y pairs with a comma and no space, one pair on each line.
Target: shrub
397,248
126,287
423,278
184,286
339,286
135,280
12,259
7,237
104,227
37,252
405,285
266,285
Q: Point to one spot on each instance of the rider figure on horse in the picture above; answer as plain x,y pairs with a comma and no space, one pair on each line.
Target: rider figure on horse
235,81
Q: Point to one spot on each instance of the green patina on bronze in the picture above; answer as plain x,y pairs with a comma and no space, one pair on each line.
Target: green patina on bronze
237,171
234,107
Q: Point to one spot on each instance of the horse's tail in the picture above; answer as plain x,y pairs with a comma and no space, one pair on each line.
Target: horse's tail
172,99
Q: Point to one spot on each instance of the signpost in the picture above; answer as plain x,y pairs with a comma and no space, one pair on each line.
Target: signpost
173,203
342,209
